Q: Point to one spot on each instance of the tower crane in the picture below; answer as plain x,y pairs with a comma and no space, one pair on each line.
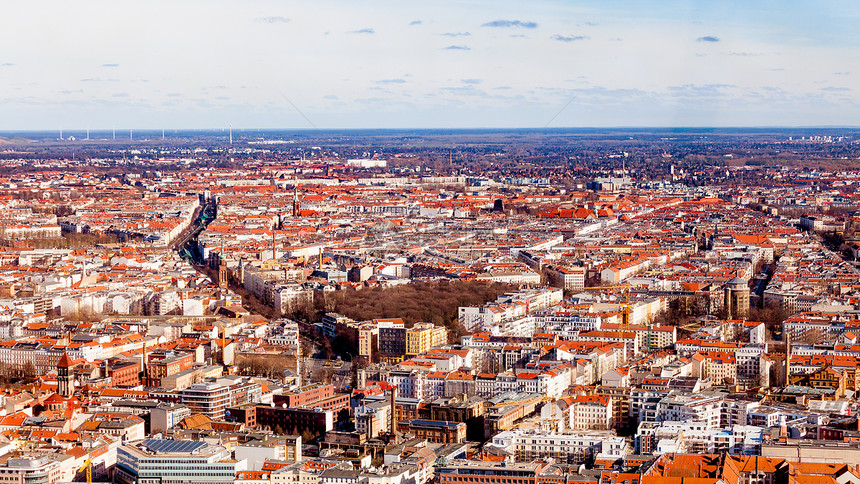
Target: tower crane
88,466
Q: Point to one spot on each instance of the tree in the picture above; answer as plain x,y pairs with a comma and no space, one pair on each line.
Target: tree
810,336
322,374
772,315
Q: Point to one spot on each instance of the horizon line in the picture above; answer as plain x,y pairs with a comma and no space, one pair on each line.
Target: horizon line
474,128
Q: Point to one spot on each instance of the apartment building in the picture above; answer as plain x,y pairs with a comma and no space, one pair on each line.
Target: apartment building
423,336
592,412
701,407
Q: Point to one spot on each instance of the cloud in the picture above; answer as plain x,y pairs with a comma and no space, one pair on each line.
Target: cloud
391,81
843,73
591,24
511,23
274,20
7,64
457,47
110,65
471,81
416,22
363,31
330,96
457,34
605,93
745,54
569,38
464,91
708,38
836,89
700,90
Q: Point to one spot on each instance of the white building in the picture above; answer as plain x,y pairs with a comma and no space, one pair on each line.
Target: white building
175,462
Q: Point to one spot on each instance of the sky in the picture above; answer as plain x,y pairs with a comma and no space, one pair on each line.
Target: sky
331,64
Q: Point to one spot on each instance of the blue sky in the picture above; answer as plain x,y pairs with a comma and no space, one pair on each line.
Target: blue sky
409,64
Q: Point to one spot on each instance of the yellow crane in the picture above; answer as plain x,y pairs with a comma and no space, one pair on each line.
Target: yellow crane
88,466
222,342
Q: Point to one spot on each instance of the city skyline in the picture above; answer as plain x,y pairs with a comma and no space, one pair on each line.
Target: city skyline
340,65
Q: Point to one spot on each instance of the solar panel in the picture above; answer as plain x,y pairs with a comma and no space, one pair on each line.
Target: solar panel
165,446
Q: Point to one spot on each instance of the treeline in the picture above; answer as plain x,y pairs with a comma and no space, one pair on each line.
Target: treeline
11,374
67,240
434,302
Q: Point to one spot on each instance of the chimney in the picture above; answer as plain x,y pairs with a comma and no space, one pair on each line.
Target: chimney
393,410
787,358
299,364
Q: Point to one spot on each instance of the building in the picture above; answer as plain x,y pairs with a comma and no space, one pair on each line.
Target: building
65,376
373,419
392,340
436,431
161,365
31,469
175,462
210,399
423,336
470,472
568,448
295,421
122,373
280,448
567,278
368,339
127,428
165,416
592,412
307,395
737,298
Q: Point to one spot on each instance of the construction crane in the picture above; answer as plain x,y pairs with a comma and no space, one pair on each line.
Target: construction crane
222,342
88,466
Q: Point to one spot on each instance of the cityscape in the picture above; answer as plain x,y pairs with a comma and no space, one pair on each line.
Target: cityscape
558,305
485,242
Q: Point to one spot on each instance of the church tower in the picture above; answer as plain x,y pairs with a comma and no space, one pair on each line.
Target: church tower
65,376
